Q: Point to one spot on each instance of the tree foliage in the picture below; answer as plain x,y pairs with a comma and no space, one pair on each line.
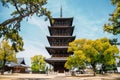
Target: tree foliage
114,25
94,52
9,29
7,53
38,63
76,60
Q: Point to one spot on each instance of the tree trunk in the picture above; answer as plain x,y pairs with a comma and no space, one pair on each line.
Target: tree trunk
94,72
94,69
3,67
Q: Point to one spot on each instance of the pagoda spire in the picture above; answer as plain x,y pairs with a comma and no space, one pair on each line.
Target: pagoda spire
61,11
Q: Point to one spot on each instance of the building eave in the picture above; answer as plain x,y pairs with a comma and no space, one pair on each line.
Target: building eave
52,19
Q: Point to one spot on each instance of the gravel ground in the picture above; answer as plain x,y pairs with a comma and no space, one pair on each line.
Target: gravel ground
109,76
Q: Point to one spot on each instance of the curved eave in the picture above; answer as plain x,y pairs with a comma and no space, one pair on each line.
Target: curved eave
61,37
56,59
58,47
53,49
59,27
71,19
56,38
52,38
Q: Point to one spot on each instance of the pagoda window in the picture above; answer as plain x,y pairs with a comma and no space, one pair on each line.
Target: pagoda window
68,22
64,31
62,23
58,51
57,43
55,32
51,43
51,32
54,43
62,44
61,32
55,23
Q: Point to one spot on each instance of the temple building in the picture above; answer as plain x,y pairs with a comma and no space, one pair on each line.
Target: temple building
61,31
19,67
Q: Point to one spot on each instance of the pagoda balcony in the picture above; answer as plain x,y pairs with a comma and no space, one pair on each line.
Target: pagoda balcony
57,50
61,55
56,59
58,47
60,36
60,40
61,21
60,27
58,63
61,30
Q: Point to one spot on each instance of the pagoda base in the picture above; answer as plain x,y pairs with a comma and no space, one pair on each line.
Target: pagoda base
59,67
58,64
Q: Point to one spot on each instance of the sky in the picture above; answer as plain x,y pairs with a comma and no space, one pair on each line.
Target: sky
89,18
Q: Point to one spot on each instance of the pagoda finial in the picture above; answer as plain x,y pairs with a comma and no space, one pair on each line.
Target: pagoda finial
61,11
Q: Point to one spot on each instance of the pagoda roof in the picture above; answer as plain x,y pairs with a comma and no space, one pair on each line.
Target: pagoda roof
60,36
61,18
52,60
55,38
57,59
58,47
61,27
57,28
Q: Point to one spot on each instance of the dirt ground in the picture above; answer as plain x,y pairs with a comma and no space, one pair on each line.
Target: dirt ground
17,76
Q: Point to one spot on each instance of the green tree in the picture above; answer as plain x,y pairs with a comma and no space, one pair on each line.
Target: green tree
38,63
9,29
76,60
114,25
98,51
6,54
108,54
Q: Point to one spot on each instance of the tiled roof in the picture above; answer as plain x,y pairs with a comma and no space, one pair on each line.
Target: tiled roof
61,36
59,47
57,59
20,62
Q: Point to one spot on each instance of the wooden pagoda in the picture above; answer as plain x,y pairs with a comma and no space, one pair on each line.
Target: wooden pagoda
61,31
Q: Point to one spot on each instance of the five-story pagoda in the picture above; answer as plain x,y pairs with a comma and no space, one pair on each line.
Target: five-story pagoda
61,31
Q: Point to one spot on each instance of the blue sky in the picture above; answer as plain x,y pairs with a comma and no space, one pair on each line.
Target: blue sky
89,18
